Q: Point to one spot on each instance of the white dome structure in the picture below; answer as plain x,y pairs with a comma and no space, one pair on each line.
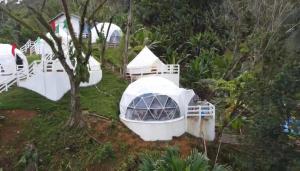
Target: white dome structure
114,35
154,108
10,63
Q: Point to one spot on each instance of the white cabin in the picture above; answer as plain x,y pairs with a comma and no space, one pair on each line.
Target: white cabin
60,21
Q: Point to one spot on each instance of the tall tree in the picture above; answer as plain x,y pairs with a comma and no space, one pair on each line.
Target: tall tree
81,52
128,27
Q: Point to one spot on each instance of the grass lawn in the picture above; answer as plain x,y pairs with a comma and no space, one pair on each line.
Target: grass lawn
34,132
56,146
102,99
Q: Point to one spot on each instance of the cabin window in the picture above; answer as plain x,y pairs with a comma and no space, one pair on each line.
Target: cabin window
19,60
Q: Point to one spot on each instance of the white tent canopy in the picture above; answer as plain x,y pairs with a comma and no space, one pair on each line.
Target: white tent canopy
114,34
50,79
42,48
144,62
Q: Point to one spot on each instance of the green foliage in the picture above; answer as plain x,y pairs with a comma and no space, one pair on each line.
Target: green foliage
172,161
62,149
29,157
32,58
104,152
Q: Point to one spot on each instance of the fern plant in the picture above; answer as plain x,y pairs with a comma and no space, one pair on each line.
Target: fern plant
171,160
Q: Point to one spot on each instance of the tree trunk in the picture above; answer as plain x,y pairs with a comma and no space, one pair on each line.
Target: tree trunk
76,119
125,57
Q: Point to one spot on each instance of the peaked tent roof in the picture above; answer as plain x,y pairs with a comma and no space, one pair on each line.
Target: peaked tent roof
145,58
62,14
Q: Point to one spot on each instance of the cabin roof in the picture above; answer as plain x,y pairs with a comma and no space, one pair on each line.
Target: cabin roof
62,14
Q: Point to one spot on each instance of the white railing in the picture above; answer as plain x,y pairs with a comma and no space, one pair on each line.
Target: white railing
29,45
4,86
136,73
203,109
21,74
32,67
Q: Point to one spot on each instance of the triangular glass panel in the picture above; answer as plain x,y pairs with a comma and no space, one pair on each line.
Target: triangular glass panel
148,100
131,105
156,113
135,115
155,104
148,117
163,116
136,100
162,99
171,104
141,104
177,113
170,113
141,113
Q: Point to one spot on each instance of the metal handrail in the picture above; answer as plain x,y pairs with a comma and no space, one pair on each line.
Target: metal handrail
169,69
204,109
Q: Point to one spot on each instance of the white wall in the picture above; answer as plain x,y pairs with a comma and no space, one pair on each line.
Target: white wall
156,130
74,20
205,129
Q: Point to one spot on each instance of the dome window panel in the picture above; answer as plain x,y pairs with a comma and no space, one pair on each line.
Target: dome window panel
148,100
172,113
170,104
156,104
148,117
141,104
156,113
164,116
162,99
141,113
152,107
136,114
131,105
136,100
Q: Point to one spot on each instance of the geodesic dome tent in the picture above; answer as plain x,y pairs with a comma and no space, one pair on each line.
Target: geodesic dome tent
114,34
10,59
154,108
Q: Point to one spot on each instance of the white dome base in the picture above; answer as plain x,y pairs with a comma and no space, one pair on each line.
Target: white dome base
156,130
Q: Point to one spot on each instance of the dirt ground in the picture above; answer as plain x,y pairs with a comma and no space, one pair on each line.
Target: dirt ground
121,137
101,130
120,133
11,128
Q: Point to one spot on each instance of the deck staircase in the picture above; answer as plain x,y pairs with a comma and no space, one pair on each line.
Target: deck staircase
20,75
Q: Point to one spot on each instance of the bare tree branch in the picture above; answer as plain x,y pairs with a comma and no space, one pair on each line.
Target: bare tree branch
92,16
38,33
43,5
70,26
82,20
